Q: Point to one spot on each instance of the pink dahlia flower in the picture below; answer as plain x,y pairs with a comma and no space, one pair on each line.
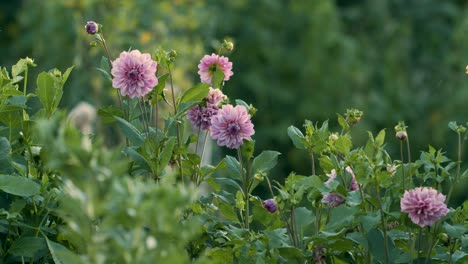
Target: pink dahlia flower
231,126
200,116
424,205
215,96
270,205
210,63
333,199
134,73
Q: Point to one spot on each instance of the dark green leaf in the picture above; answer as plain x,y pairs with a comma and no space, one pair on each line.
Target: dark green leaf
138,158
297,137
166,153
46,90
27,246
61,254
18,185
265,161
196,93
135,137
105,74
455,231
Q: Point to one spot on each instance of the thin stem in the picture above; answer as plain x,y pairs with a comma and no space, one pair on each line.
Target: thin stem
384,224
402,166
245,181
457,176
411,245
419,242
179,142
318,217
294,227
204,146
409,159
312,161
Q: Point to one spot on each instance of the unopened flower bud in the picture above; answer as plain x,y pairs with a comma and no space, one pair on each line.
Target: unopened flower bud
35,151
401,135
466,69
270,205
93,43
252,110
392,168
353,116
172,55
228,45
444,238
333,137
259,176
91,27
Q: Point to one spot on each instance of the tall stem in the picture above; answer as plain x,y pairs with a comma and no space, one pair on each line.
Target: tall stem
312,161
245,180
179,141
384,224
409,160
457,176
402,166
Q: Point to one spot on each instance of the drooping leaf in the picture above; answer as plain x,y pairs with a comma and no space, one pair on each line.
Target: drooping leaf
265,161
138,158
297,137
130,131
196,93
166,153
61,254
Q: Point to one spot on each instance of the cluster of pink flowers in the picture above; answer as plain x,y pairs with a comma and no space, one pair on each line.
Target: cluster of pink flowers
333,199
228,125
134,73
424,205
209,64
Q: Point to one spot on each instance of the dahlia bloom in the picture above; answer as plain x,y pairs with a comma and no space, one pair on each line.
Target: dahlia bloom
215,96
270,205
200,117
424,205
333,199
231,126
134,73
210,63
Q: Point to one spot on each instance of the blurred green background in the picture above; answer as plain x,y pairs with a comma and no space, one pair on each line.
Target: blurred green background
293,60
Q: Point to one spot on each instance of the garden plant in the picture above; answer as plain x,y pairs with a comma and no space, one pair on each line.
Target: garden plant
154,198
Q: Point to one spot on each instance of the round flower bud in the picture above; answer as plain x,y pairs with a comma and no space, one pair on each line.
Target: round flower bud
333,137
444,238
270,205
91,27
401,135
228,45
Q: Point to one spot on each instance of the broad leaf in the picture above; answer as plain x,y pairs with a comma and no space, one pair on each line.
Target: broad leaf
196,93
131,132
265,161
18,185
27,246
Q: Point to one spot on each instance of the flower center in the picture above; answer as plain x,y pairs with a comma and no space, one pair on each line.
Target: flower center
133,74
233,128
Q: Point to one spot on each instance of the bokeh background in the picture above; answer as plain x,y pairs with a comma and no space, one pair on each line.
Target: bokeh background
293,60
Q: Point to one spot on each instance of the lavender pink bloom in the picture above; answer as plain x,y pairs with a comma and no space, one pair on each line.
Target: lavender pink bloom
353,186
134,73
270,205
424,205
215,96
333,199
331,177
231,126
200,116
210,63
91,27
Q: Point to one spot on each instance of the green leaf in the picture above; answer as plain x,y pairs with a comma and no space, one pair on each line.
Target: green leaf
227,211
341,216
135,137
108,112
27,246
297,137
105,74
218,78
161,84
304,217
105,64
61,254
46,90
265,161
5,149
18,185
455,231
138,158
342,122
196,93
166,153
380,138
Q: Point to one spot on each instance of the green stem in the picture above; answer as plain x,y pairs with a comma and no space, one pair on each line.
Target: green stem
179,141
313,162
419,242
245,181
409,159
402,166
411,245
457,175
384,224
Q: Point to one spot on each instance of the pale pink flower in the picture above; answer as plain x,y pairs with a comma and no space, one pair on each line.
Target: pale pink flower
331,177
215,96
200,116
211,63
231,126
333,199
353,186
424,205
134,73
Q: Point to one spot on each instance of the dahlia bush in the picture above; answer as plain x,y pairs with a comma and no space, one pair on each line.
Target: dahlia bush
154,198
